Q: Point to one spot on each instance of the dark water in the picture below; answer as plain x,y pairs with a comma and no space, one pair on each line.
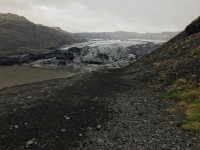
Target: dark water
18,75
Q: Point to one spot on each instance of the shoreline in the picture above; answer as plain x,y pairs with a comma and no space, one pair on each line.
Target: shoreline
23,75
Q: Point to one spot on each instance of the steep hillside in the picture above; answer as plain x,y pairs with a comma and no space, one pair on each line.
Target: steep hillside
180,56
19,35
121,35
175,68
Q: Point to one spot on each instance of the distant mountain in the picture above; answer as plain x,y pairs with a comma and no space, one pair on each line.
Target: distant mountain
121,35
18,35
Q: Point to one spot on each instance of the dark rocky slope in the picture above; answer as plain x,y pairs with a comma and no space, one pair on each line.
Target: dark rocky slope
175,68
18,35
194,27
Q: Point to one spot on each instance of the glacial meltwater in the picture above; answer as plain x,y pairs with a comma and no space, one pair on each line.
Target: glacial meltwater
18,75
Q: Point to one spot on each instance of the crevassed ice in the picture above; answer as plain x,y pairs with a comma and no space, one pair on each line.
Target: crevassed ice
111,53
105,43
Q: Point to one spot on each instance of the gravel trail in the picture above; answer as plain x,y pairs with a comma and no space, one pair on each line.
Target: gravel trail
98,110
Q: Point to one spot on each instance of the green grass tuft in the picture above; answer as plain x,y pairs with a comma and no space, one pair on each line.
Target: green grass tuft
190,101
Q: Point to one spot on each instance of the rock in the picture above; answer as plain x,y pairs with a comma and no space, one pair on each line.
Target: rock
89,128
67,118
100,140
63,130
14,109
98,127
29,97
80,135
31,142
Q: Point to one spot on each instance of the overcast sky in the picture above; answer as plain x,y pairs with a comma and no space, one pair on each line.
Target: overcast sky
107,15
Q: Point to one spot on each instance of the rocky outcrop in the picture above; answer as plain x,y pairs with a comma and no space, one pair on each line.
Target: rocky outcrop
194,27
20,36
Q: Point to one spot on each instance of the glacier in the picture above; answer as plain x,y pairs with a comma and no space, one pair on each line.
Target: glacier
101,53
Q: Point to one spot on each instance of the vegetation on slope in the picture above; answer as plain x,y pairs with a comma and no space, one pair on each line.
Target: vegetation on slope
186,98
179,62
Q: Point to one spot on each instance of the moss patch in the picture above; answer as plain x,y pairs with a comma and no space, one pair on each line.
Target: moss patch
190,101
171,110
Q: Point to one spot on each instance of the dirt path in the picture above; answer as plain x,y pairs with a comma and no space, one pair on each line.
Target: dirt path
102,110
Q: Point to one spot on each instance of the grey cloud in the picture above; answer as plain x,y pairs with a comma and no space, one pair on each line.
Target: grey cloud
107,15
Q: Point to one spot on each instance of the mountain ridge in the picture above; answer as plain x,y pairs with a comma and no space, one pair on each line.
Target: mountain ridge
18,35
123,35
